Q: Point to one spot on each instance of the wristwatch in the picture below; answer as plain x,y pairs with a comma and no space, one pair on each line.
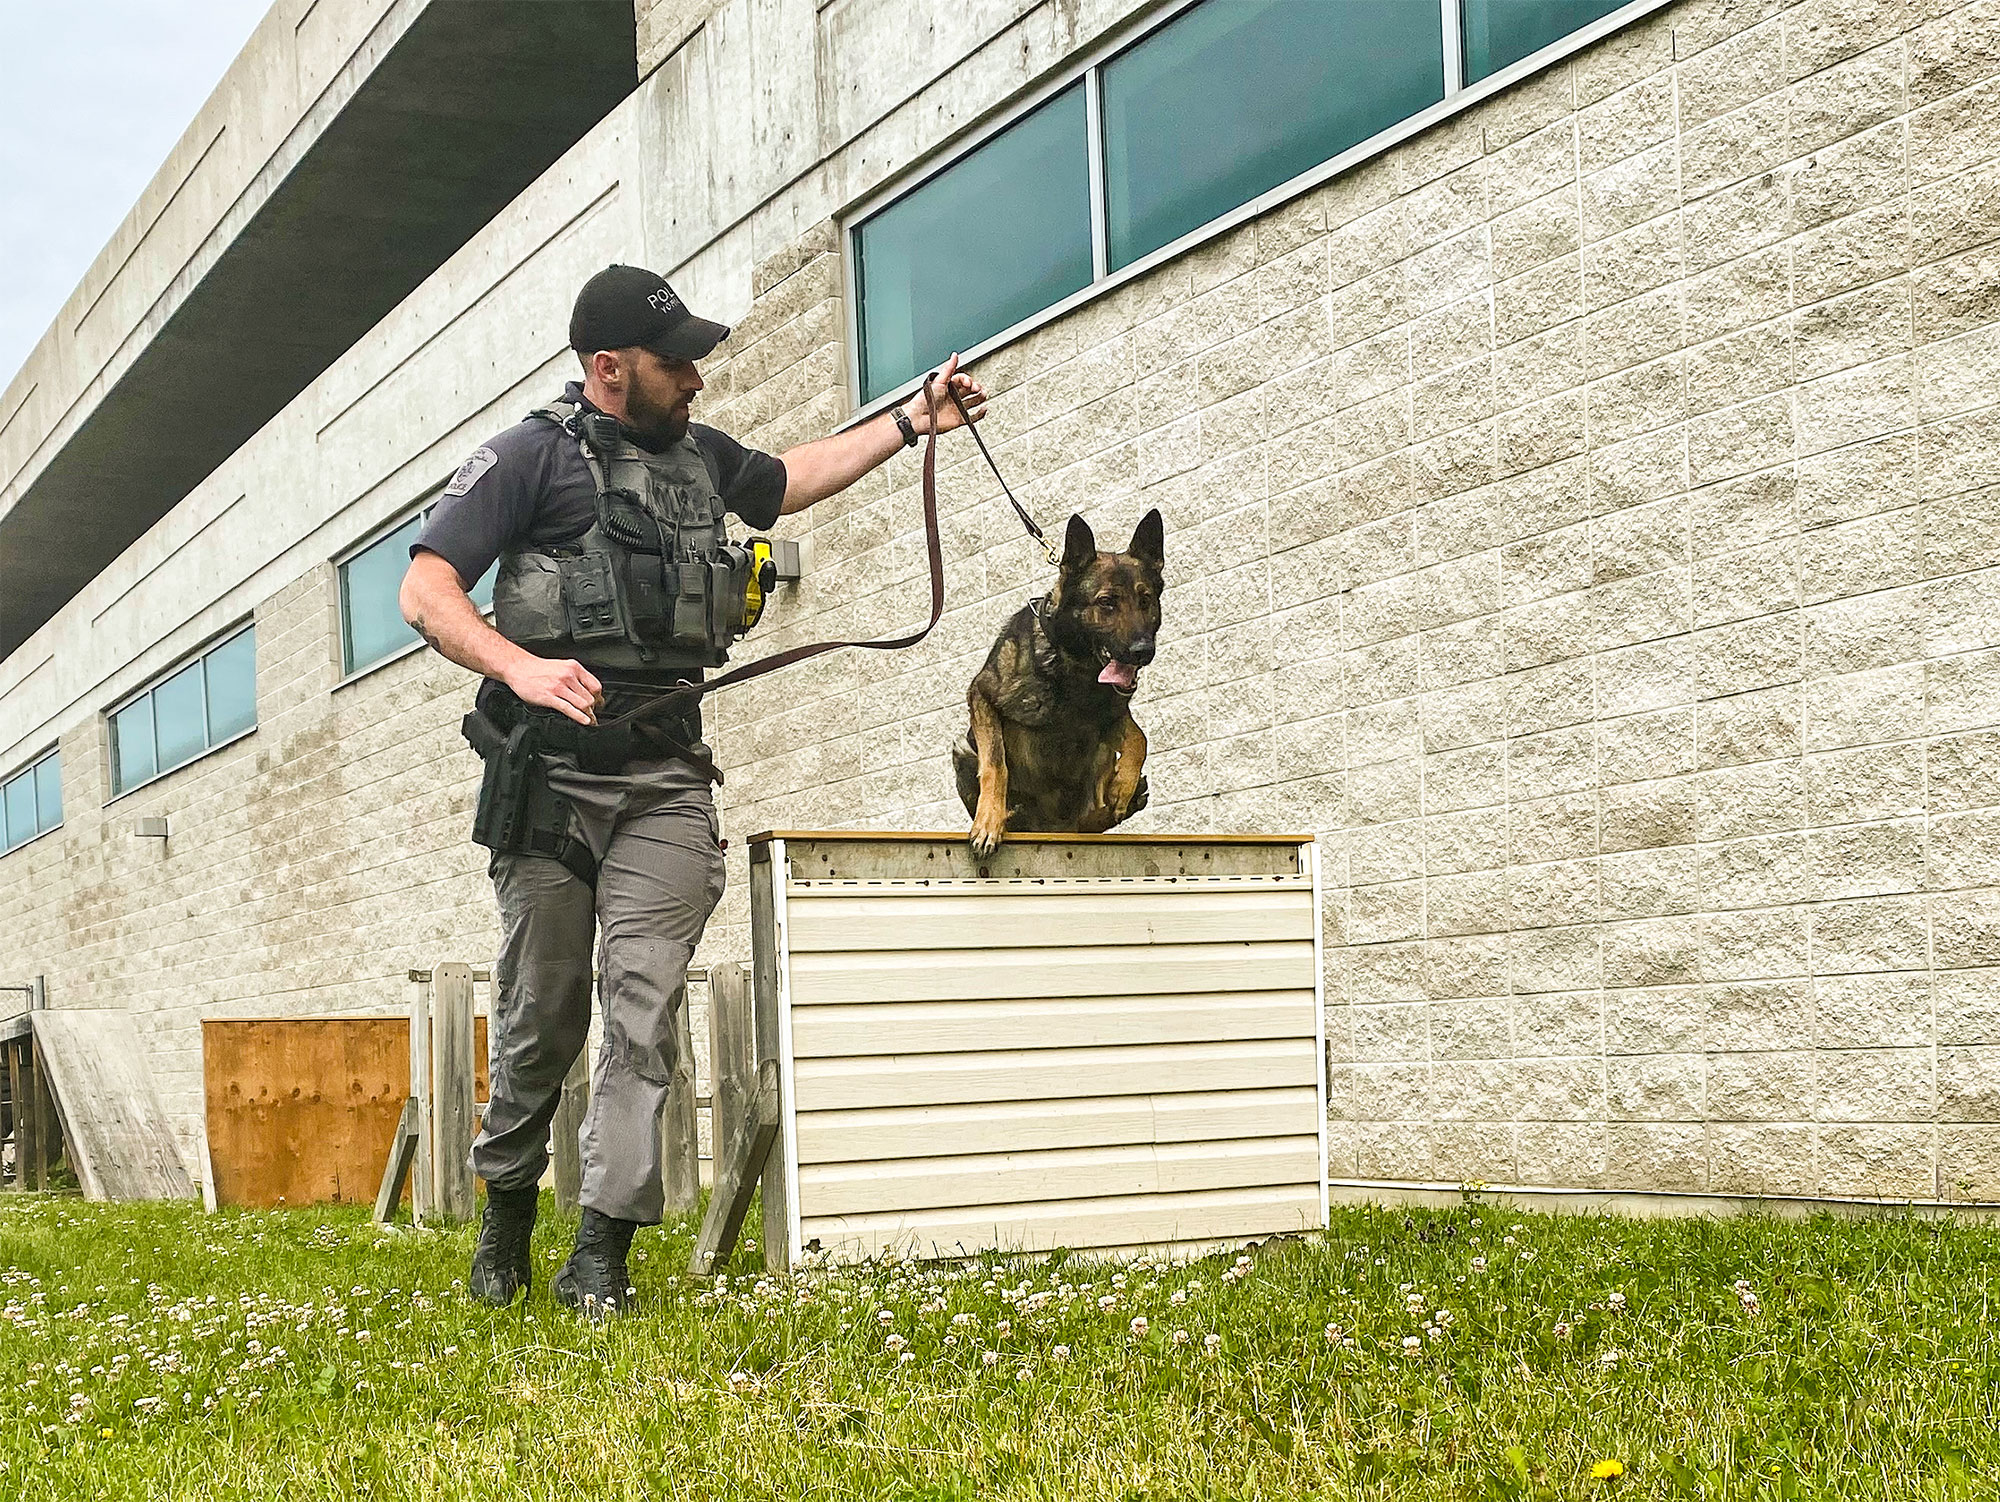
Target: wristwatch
909,429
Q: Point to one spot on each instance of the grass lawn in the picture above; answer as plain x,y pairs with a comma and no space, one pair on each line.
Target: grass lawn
1475,1352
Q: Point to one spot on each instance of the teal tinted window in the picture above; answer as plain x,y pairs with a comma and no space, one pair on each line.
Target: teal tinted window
19,799
48,792
1499,32
994,238
180,723
371,615
372,624
194,708
1238,96
132,737
231,671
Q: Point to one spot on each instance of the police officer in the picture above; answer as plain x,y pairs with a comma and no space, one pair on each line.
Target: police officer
617,579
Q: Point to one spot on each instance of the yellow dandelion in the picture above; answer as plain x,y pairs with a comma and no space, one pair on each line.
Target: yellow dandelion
1604,1470
104,1434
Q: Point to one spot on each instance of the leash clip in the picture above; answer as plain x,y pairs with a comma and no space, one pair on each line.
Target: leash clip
1049,549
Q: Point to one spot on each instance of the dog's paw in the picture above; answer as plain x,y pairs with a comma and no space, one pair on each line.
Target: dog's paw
986,836
1141,795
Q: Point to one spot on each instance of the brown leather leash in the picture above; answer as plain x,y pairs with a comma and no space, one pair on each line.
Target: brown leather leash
688,692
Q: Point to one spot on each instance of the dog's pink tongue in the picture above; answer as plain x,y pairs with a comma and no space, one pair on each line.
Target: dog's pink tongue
1121,674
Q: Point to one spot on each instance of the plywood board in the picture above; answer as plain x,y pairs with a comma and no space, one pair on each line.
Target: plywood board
303,1110
113,1127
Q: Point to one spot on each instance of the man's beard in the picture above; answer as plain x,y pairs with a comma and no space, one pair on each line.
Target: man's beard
656,423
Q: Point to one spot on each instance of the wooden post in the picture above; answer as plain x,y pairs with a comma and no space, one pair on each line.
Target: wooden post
744,1095
680,1139
402,1153
19,1106
567,1128
452,1073
423,1199
777,1237
46,1123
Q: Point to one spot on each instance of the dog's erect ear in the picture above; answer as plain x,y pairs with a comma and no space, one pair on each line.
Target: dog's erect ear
1149,541
1079,547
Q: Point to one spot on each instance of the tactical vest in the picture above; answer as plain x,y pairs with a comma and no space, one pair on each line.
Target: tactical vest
654,587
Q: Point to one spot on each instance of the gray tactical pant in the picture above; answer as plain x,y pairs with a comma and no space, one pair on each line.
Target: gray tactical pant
654,832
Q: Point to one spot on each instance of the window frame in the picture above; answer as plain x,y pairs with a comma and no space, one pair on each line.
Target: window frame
30,769
118,706
424,504
1459,96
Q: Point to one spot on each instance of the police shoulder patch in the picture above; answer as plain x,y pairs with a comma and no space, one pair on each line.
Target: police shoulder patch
483,459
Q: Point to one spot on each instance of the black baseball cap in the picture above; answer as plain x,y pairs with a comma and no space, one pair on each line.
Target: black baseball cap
626,305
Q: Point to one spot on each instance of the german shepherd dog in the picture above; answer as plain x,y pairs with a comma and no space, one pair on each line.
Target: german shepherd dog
1053,747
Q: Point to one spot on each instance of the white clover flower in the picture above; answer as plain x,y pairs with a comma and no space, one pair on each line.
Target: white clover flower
1108,1303
1140,1325
989,1358
1022,1374
1003,1328
1562,1329
1479,1264
1506,1240
1178,1297
1180,1337
1528,1256
894,1342
1060,1353
1609,1359
1412,1344
1211,1342
1333,1335
1614,1302
906,1356
962,1320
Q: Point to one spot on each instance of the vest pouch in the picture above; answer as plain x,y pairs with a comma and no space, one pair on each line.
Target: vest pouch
590,597
528,599
691,606
649,594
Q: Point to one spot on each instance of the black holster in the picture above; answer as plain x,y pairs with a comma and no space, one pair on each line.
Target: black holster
518,812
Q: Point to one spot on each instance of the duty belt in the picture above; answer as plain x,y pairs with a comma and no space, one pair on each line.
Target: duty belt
603,748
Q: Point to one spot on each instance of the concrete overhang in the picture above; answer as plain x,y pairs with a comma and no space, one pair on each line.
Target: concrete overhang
457,107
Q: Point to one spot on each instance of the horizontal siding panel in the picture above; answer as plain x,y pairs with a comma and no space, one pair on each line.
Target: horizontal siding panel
1051,1074
915,1027
894,918
1028,1125
1075,1173
1093,970
1135,1220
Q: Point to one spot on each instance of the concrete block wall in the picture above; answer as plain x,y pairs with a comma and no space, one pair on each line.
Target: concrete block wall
1583,518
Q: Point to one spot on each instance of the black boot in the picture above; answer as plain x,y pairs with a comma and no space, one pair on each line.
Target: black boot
501,1263
594,1279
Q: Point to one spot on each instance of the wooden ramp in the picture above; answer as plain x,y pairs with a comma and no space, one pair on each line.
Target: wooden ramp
117,1134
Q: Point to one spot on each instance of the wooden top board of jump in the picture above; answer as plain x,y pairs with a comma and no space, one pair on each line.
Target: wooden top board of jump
1084,1042
867,854
302,1110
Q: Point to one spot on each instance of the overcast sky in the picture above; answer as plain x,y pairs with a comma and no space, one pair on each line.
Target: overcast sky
93,95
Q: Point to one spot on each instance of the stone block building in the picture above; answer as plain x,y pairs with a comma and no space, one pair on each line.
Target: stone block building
1577,428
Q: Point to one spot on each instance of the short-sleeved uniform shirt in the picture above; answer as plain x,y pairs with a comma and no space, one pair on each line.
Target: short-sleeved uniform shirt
531,485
